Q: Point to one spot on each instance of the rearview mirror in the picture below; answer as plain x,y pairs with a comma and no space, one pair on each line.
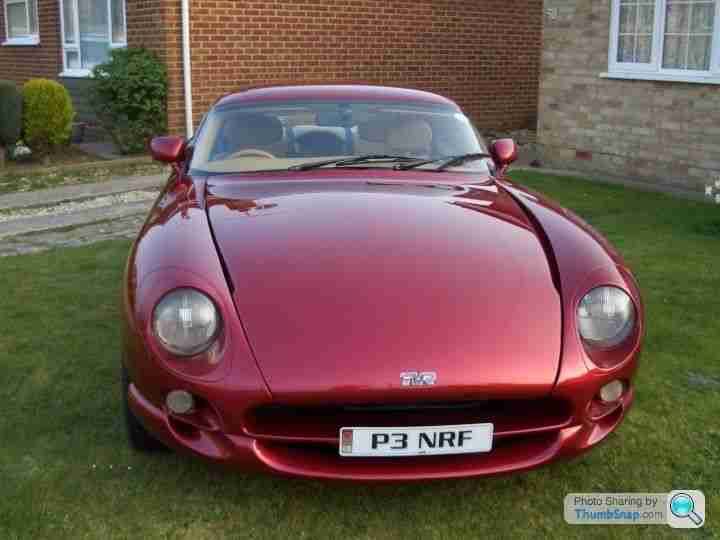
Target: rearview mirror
504,152
167,149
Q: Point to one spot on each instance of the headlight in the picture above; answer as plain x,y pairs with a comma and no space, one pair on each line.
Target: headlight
606,317
186,322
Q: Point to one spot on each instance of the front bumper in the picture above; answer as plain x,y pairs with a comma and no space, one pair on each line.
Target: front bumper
318,457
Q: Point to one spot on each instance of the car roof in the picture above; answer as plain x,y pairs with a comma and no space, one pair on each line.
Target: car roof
335,92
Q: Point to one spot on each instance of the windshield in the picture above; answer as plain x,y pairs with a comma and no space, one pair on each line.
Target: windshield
280,135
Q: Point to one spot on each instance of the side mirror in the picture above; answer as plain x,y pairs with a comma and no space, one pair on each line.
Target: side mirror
504,152
167,149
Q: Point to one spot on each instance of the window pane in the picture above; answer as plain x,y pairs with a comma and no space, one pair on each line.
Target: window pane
94,32
626,49
646,19
677,18
643,52
637,25
699,48
118,20
627,19
675,52
69,20
72,59
93,18
32,9
702,18
688,34
94,52
17,20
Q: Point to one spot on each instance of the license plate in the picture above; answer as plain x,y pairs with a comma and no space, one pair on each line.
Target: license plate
415,441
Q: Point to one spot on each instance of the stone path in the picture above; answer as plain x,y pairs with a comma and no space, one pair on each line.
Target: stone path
75,215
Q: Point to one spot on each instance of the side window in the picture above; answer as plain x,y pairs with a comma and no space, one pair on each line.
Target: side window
21,22
90,29
665,40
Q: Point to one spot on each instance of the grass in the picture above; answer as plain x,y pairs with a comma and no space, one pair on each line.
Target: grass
16,177
66,471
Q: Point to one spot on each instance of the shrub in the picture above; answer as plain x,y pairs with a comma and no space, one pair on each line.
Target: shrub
129,97
10,113
47,115
10,116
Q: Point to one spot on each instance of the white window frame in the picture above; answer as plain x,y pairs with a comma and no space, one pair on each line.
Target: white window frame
654,71
75,46
30,38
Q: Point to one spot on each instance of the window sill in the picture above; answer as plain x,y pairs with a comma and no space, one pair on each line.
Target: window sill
76,74
638,76
21,42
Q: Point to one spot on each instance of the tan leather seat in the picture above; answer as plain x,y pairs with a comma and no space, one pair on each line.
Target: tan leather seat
252,130
370,137
409,136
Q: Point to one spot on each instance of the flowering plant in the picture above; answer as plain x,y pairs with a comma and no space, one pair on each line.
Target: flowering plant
20,152
712,190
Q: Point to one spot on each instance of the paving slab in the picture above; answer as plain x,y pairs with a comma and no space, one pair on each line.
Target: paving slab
80,191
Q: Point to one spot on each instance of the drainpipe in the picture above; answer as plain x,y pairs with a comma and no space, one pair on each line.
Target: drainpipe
187,79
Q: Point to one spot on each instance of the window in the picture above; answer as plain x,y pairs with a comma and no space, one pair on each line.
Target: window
237,138
90,29
21,22
665,40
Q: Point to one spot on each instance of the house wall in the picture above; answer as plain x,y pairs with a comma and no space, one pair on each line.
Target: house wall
484,54
22,62
665,132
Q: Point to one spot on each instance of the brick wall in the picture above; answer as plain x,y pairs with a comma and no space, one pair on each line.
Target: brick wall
20,63
156,25
667,132
484,54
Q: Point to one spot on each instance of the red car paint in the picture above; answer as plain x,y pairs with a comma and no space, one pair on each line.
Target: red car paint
334,92
331,282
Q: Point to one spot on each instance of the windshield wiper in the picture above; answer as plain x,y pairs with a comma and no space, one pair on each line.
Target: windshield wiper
342,162
445,162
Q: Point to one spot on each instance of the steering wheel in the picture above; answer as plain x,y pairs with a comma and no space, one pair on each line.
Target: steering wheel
251,152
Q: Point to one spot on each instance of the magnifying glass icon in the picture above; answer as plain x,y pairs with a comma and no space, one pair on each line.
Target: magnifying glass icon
683,506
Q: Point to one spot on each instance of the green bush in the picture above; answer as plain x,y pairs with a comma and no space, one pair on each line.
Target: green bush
47,115
129,97
10,113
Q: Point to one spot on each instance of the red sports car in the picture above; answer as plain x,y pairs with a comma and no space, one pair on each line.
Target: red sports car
341,282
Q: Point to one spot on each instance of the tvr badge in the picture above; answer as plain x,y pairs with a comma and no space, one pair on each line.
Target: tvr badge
418,378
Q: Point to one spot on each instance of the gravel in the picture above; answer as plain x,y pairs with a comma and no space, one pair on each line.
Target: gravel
79,205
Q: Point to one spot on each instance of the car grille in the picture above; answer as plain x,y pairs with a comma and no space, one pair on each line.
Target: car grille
318,425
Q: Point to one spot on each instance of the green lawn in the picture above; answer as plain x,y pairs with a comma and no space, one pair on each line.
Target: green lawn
66,472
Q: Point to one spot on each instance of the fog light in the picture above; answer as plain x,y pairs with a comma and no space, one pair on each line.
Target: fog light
612,391
180,401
